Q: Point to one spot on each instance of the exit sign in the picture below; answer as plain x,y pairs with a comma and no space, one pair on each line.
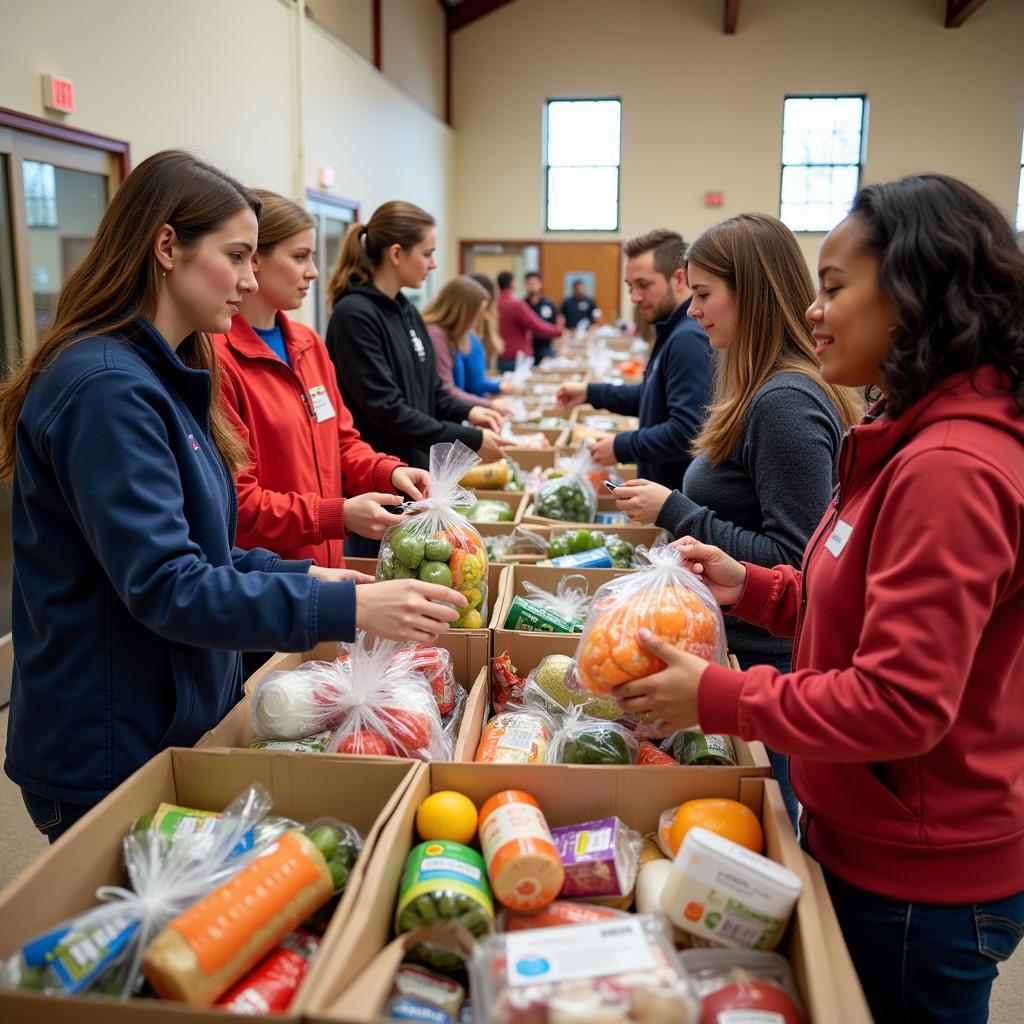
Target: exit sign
58,94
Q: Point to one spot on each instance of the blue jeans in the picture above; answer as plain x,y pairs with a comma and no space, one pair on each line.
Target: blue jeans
52,817
926,962
779,762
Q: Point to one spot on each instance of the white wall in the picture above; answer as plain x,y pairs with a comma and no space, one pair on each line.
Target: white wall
703,111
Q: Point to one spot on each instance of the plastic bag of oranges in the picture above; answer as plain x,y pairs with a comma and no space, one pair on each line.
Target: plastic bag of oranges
666,598
437,544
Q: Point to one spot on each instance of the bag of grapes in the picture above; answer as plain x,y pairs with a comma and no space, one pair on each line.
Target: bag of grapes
569,497
436,543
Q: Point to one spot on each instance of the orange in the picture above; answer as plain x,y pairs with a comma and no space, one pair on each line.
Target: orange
447,815
729,818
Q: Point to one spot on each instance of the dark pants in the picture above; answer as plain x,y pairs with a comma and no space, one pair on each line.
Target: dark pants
506,365
52,817
926,962
541,349
779,762
361,547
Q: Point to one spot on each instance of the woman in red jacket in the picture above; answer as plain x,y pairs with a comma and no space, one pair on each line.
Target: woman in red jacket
904,712
312,480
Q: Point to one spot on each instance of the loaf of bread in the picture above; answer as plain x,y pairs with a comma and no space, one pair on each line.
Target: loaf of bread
208,947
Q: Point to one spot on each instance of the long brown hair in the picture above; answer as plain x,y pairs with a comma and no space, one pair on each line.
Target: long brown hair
280,218
455,309
362,251
760,260
117,281
492,340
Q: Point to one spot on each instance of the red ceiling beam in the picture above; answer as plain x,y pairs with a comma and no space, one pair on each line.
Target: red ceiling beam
378,61
468,11
958,11
730,17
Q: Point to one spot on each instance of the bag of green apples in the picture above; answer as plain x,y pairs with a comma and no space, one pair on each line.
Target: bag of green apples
436,543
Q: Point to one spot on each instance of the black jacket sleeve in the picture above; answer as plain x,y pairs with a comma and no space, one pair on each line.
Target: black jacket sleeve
623,399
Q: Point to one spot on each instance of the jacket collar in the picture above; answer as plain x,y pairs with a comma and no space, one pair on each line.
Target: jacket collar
663,328
244,341
152,347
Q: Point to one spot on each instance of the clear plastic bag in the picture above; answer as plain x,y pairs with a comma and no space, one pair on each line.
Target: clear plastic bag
438,545
340,843
554,687
382,704
559,914
520,376
601,859
521,541
664,597
571,497
614,972
101,949
515,736
571,599
292,704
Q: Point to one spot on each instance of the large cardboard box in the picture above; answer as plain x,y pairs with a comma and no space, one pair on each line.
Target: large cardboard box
605,503
630,532
531,458
362,791
566,797
528,650
516,501
555,436
468,661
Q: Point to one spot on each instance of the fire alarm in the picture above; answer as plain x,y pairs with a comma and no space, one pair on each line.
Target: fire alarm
714,199
326,176
58,94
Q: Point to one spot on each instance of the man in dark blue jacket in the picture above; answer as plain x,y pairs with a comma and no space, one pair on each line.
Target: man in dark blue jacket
676,390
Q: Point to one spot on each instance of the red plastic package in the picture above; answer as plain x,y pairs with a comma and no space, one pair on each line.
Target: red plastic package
506,684
271,985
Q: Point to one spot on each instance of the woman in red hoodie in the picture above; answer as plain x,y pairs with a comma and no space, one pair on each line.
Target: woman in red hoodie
904,712
312,480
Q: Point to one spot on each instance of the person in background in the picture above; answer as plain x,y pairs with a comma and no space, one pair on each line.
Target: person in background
130,601
485,345
903,712
765,462
517,322
383,358
312,479
677,383
458,306
544,308
577,307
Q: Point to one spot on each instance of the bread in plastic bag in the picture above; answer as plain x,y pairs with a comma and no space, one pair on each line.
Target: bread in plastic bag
571,497
101,949
436,543
515,737
663,596
622,971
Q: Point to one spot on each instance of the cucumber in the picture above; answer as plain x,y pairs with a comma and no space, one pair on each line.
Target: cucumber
426,908
447,906
409,919
476,921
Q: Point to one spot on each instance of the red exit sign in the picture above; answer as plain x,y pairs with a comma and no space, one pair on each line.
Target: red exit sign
58,94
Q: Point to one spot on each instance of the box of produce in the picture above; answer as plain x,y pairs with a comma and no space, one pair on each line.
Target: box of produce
528,964
565,501
213,832
509,543
495,507
455,660
562,534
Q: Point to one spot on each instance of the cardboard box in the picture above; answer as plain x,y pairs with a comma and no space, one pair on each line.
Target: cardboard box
487,530
633,534
527,650
362,791
469,660
567,797
516,501
555,436
531,458
605,503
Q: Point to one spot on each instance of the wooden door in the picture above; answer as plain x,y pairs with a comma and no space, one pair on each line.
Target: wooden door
561,261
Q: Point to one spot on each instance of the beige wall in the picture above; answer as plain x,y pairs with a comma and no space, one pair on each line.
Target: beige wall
412,50
224,79
350,20
703,111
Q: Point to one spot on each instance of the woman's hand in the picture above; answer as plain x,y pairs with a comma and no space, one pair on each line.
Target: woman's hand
481,416
500,405
569,395
641,500
365,514
666,700
508,387
490,448
720,573
413,482
328,575
407,609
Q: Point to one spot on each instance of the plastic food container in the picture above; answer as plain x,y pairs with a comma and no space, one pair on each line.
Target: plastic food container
728,895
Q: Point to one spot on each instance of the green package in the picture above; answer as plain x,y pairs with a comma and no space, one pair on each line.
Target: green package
532,618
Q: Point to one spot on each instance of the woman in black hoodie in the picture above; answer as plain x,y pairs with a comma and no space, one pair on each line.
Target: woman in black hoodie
381,350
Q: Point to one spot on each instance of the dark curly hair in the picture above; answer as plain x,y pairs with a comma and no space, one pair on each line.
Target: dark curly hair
951,264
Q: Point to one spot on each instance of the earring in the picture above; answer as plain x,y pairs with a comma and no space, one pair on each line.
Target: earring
163,273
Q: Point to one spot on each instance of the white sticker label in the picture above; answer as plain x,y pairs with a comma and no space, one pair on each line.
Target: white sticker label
838,538
322,408
577,951
519,738
749,1017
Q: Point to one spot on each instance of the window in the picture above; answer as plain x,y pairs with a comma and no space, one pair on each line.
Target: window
822,154
581,157
40,194
1020,192
333,216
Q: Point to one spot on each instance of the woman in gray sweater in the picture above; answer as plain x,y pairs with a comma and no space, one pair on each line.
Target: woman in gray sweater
766,456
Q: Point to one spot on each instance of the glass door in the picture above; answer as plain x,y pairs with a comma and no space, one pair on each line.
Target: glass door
333,216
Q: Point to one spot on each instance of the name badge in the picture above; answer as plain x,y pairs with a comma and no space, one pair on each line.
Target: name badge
546,311
322,408
838,538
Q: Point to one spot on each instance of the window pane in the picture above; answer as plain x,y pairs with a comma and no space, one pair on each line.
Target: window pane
1020,202
582,132
583,199
822,130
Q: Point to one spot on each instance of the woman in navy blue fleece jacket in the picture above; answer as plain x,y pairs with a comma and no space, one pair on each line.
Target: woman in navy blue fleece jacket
130,601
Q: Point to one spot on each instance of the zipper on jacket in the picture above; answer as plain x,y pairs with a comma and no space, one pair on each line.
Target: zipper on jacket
846,460
312,428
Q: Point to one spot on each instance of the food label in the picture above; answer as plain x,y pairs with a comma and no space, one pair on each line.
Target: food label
527,616
578,951
595,558
519,737
445,866
712,748
713,914
510,822
749,1017
593,842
